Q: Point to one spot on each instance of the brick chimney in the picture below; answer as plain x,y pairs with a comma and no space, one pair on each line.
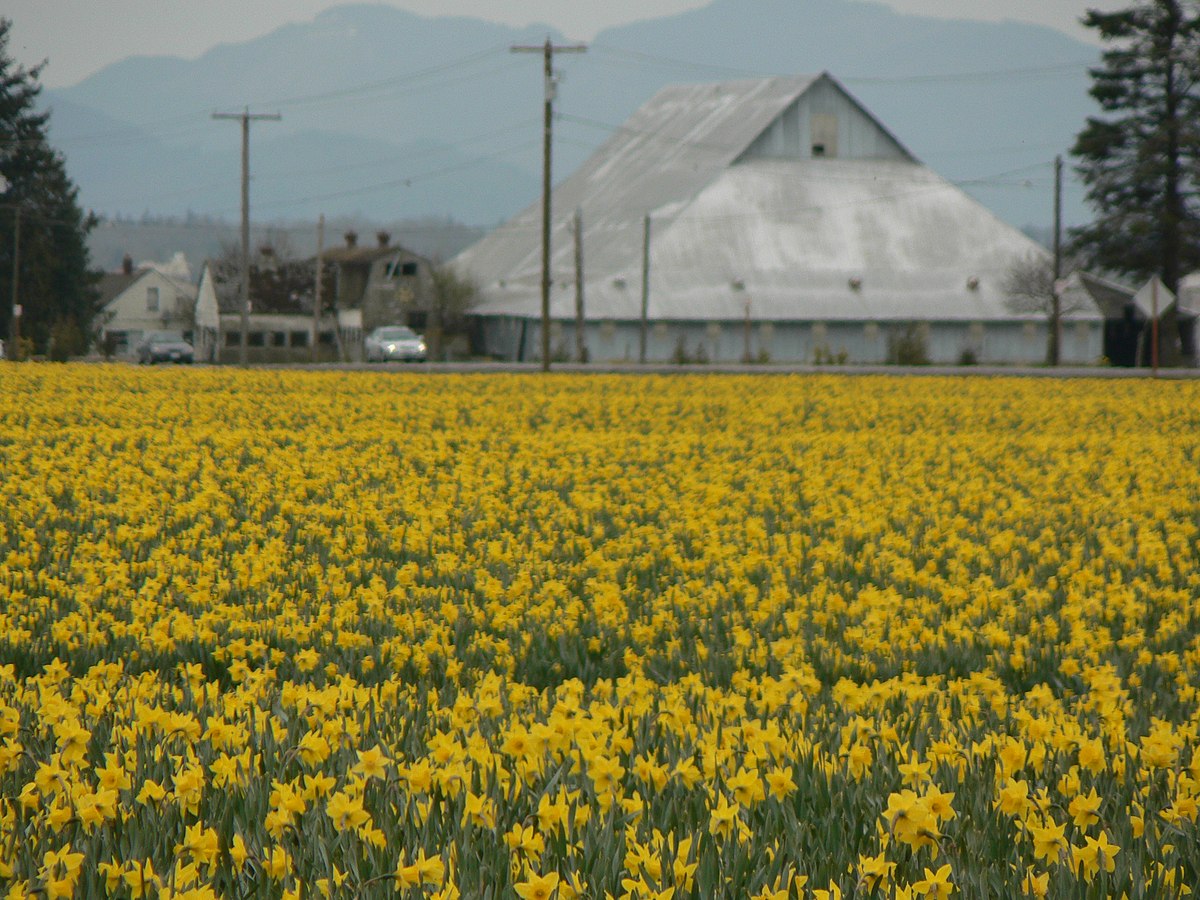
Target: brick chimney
351,239
383,237
127,265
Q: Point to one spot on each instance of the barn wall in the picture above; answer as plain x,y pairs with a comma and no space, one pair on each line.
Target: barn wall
826,115
946,343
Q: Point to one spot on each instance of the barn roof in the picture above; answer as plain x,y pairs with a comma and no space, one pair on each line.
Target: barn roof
800,238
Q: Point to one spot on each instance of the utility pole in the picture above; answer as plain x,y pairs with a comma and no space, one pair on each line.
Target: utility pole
547,50
645,289
1154,326
15,330
316,336
246,118
580,348
1055,299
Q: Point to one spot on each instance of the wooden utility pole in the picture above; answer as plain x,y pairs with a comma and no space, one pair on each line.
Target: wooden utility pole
1154,326
547,50
246,118
1055,299
580,348
15,330
316,337
645,289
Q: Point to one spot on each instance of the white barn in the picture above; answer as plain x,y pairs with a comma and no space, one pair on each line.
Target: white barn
786,224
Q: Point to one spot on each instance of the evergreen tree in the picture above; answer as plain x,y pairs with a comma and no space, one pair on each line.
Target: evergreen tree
55,288
1141,163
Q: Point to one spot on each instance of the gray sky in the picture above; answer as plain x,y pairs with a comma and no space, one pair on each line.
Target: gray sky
80,37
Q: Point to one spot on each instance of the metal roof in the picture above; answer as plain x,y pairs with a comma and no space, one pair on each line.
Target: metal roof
800,239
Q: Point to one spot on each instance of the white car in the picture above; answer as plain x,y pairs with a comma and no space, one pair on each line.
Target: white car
394,342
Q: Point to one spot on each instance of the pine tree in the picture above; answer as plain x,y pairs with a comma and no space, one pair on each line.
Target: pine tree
55,288
1141,163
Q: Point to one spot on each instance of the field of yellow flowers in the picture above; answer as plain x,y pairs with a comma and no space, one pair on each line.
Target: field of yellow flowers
288,634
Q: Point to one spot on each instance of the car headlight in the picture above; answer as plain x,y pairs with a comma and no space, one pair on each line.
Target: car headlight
421,346
391,348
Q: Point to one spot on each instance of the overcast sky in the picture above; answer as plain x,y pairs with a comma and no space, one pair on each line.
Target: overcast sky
79,37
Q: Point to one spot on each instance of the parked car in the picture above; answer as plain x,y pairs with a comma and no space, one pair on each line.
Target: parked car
394,342
164,346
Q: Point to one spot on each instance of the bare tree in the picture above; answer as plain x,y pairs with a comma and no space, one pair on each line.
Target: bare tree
453,296
1031,288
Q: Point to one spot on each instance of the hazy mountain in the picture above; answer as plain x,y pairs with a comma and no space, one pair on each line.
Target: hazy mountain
391,115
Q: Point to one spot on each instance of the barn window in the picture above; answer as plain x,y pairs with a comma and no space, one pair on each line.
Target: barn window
151,299
824,135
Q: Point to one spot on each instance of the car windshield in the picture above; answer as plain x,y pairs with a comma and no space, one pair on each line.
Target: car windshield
166,337
399,333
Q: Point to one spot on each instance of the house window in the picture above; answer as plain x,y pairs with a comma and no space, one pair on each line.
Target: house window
608,329
298,339
871,331
1082,332
325,339
232,339
713,330
408,269
278,338
819,331
152,299
256,339
1030,329
660,330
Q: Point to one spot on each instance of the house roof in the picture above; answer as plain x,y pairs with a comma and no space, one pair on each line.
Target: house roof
1111,298
800,238
114,284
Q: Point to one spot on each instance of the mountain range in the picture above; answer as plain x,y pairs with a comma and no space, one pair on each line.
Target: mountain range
391,115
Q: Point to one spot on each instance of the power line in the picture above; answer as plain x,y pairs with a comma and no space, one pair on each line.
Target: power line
920,78
188,122
400,182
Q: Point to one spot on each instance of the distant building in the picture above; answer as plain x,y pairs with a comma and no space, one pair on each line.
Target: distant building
363,288
136,301
386,284
785,223
280,327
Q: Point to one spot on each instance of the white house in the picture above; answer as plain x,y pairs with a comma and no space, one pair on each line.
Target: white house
785,223
137,301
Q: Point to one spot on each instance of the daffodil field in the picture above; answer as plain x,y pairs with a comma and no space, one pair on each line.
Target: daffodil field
321,634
